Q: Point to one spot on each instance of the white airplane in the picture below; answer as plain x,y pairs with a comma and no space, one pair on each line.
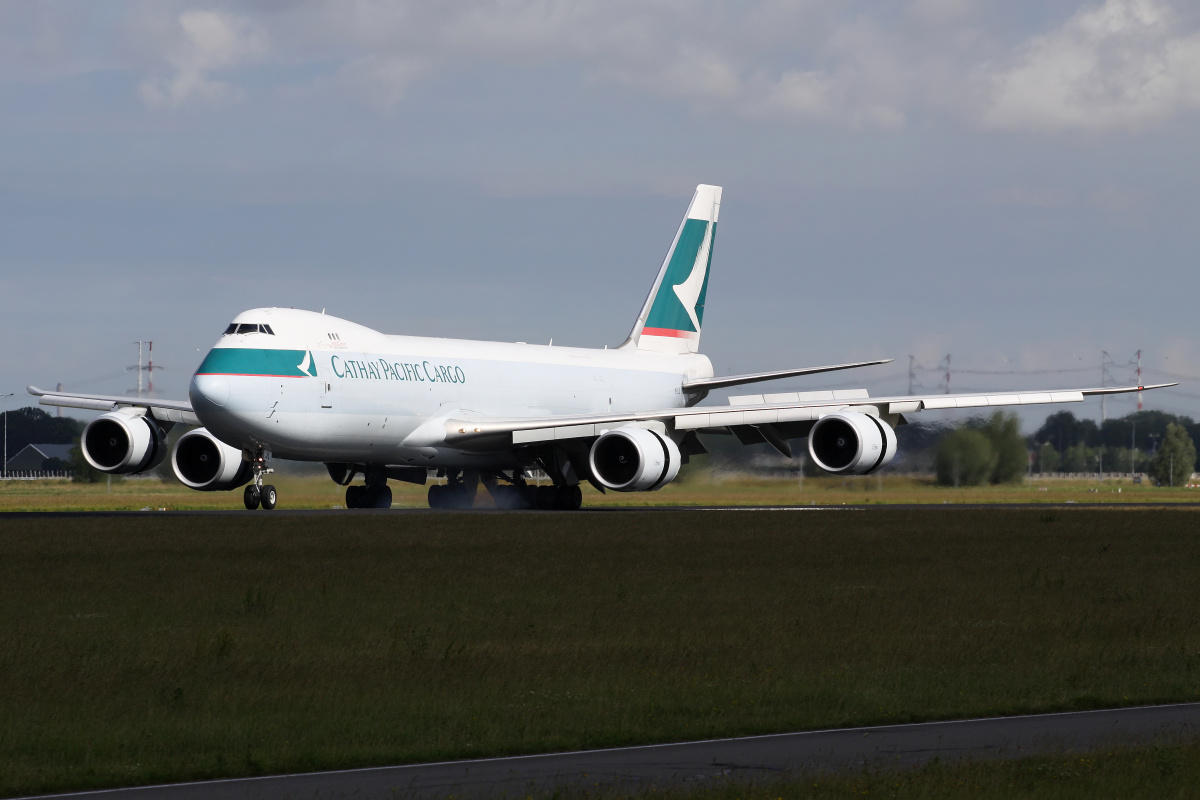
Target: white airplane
312,387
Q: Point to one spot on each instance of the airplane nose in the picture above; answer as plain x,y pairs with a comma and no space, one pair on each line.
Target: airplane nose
213,389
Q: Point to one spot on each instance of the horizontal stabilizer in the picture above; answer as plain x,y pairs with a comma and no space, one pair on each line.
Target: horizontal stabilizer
708,384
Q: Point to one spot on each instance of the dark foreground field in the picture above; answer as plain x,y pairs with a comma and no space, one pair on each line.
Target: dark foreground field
147,649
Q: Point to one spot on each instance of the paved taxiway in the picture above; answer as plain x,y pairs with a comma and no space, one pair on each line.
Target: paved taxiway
747,758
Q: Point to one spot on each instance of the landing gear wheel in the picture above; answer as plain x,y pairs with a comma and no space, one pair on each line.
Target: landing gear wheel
354,496
251,497
546,498
450,495
570,498
268,496
378,497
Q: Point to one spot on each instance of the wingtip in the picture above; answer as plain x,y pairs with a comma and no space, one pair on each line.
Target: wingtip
35,391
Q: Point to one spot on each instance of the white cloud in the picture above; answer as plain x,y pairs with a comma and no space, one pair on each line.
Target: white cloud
1125,64
1112,65
205,41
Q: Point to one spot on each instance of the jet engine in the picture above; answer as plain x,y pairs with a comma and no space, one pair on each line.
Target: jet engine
202,461
122,443
630,459
850,443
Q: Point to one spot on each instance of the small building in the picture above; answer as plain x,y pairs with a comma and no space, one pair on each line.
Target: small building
32,457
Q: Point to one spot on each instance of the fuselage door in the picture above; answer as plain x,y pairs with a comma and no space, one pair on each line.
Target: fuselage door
326,393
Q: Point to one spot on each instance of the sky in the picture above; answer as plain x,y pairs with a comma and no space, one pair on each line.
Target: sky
1013,184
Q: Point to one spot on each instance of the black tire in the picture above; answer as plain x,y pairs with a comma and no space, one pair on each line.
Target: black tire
529,497
269,497
547,498
379,497
250,497
354,496
570,498
435,495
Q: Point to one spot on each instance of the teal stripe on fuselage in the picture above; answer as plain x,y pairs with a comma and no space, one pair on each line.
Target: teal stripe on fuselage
667,311
248,361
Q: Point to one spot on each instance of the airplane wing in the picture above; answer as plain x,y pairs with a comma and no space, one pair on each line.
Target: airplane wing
708,384
161,410
772,418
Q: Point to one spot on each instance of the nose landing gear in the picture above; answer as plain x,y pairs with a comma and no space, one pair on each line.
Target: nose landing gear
256,493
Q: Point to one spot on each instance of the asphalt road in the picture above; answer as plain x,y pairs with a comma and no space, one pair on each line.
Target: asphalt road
746,758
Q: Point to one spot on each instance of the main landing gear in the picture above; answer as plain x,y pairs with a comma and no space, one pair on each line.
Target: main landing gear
375,494
256,493
517,494
458,492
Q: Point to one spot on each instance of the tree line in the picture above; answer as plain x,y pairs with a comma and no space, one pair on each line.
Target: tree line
994,451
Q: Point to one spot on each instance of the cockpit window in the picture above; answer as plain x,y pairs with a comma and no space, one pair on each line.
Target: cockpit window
248,327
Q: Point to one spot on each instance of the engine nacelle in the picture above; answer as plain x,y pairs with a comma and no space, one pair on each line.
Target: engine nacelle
849,443
123,443
633,459
202,461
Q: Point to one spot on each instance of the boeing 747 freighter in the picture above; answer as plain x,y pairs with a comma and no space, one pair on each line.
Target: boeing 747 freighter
308,386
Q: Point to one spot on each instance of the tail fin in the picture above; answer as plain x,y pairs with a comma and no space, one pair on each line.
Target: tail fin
673,311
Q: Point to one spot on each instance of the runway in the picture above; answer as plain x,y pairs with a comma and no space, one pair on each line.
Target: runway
603,510
744,759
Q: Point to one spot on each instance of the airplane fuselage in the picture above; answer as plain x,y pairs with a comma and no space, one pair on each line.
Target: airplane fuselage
319,388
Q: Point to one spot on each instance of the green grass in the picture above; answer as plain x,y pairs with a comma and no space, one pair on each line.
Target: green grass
699,487
145,649
1169,770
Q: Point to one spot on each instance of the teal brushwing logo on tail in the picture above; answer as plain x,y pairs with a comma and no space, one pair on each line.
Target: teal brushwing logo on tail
673,313
678,307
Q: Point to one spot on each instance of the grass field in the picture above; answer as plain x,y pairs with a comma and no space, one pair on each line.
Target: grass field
152,648
704,487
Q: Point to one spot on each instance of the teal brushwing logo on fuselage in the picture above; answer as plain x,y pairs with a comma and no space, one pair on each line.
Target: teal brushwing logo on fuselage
261,363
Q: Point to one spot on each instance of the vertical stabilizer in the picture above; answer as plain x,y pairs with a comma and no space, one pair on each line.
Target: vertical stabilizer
674,310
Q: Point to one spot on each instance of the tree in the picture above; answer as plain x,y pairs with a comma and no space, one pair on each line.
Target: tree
1003,432
965,458
1063,431
1175,459
1078,458
31,425
81,470
1047,458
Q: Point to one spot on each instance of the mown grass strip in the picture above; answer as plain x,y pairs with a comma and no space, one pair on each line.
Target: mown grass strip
147,650
697,488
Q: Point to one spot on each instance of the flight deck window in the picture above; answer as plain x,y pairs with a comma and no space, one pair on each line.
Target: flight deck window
231,329
248,327
267,329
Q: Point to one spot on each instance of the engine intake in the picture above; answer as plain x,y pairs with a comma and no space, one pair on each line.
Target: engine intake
203,462
119,443
849,443
633,459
